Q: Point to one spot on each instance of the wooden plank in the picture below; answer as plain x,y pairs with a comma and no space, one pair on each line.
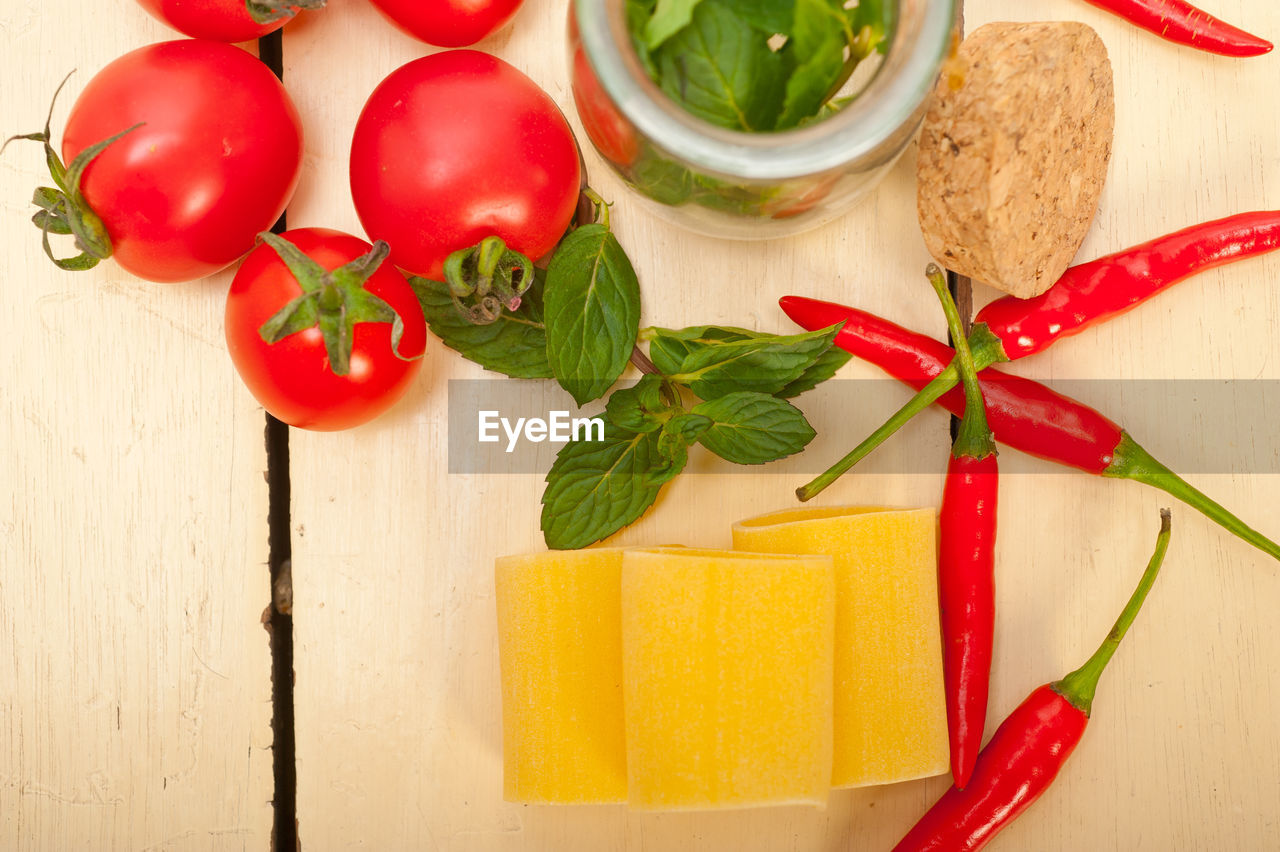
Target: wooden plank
134,671
1182,752
397,685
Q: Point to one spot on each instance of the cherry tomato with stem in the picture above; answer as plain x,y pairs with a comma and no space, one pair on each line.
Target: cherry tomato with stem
448,23
177,154
226,20
324,333
457,147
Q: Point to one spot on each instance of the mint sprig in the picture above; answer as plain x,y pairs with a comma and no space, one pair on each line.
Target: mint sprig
725,368
762,364
601,485
756,65
640,408
668,18
753,428
722,387
723,70
592,306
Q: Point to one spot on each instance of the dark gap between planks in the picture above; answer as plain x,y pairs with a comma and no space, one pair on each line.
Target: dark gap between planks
962,289
284,828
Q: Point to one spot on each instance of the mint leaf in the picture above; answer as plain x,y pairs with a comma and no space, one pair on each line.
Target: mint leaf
829,109
753,428
720,69
818,41
663,180
638,14
872,21
637,409
515,345
678,433
596,488
821,370
668,348
669,17
592,306
771,17
764,364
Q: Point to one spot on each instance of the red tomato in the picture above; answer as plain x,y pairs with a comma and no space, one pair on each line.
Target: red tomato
456,147
611,133
448,23
291,377
215,161
218,20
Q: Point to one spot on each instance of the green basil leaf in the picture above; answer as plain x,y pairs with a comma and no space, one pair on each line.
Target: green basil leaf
720,69
515,345
753,428
818,41
592,302
596,488
765,364
637,409
819,371
669,17
679,432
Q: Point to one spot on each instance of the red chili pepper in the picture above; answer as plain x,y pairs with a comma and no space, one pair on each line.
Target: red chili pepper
966,558
1029,748
1180,22
1009,328
1023,413
1092,292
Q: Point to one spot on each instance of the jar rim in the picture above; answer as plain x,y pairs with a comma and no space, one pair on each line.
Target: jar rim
857,133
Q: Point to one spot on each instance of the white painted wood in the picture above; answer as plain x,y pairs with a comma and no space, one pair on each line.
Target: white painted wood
398,717
134,670
1183,751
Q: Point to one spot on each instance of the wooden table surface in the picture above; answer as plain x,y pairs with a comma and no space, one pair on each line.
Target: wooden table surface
135,707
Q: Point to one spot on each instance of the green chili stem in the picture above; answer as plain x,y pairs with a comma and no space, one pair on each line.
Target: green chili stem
974,437
1079,686
986,349
1131,461
925,397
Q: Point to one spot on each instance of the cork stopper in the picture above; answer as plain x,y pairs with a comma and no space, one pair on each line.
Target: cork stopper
1014,152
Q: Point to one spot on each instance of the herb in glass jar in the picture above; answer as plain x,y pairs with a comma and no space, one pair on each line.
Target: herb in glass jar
756,65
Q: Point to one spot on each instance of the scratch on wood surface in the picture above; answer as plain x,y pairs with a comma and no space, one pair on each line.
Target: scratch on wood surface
36,420
198,623
168,842
97,795
192,724
20,20
211,669
186,333
52,308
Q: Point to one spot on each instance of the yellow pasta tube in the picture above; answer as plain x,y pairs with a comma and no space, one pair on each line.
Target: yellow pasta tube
890,711
560,651
728,662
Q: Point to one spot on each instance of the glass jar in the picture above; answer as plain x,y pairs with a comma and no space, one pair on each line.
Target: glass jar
730,183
